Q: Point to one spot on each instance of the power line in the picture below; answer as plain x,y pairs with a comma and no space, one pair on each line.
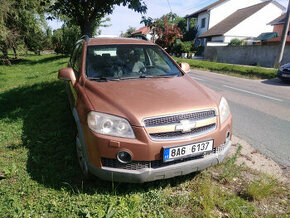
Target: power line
169,6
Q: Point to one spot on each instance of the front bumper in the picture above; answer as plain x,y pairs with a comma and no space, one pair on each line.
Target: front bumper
283,75
151,174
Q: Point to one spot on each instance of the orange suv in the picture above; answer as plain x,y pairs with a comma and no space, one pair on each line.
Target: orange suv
139,116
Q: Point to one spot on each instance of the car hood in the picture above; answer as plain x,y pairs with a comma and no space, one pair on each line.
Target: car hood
286,66
143,98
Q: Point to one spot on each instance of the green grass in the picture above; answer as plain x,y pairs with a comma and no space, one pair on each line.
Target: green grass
262,188
231,69
39,173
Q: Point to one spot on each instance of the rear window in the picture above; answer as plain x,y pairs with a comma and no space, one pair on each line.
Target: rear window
128,61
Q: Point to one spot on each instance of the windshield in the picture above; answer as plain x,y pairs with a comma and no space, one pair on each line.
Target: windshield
128,61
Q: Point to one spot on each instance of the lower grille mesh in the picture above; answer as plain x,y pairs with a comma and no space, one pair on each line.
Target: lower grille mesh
134,165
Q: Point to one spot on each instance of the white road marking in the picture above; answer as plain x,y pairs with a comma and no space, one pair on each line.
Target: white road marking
253,93
196,78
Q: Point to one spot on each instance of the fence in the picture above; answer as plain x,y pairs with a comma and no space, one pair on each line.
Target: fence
264,56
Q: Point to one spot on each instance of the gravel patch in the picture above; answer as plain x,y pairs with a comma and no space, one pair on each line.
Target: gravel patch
257,161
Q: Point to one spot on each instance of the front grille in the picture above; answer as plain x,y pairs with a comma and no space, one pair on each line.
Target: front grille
172,119
286,70
138,165
164,128
179,134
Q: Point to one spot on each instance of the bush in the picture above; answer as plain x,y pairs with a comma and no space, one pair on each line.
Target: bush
232,69
199,50
235,42
64,38
176,47
186,47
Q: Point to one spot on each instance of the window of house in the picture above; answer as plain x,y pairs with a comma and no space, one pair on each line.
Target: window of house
288,33
203,22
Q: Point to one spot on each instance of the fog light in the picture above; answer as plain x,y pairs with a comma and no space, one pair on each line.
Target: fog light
228,136
124,157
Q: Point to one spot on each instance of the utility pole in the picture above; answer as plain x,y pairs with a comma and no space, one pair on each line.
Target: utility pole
283,37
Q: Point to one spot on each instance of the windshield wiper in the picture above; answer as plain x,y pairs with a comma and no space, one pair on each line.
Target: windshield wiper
103,79
127,78
157,76
141,77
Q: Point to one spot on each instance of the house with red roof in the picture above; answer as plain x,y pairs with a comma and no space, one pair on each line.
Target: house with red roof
278,26
144,31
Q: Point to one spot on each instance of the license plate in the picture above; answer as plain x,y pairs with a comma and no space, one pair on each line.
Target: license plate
286,75
194,149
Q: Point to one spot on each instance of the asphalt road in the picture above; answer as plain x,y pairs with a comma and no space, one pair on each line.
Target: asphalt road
260,109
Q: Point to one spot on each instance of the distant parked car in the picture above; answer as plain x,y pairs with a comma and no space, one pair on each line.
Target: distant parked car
139,116
284,72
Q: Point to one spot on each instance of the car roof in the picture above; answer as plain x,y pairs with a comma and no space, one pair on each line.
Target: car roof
117,40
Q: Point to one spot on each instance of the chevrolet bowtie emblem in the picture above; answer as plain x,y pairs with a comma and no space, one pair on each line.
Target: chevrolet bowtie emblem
185,126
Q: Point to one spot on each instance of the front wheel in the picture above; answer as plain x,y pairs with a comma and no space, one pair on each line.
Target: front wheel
82,160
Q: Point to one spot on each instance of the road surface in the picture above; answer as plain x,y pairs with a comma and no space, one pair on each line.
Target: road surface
260,109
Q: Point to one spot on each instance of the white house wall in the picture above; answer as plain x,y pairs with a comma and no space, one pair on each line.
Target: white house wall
220,12
255,24
218,39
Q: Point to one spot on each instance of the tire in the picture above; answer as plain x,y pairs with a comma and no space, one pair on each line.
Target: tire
82,160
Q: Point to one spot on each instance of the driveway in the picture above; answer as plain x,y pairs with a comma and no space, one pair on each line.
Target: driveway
261,111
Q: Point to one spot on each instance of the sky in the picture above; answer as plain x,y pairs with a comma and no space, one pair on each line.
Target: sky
123,17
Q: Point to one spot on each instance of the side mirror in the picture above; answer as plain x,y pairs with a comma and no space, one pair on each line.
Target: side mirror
67,74
185,67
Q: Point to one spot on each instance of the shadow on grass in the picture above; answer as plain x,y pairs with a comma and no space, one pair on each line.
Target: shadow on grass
49,135
48,59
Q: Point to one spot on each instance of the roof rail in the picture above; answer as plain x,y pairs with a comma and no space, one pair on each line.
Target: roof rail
85,37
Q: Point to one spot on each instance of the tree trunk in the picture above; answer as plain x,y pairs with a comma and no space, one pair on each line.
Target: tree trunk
4,49
87,29
15,52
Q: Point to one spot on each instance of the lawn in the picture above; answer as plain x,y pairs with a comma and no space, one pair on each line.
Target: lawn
248,72
40,177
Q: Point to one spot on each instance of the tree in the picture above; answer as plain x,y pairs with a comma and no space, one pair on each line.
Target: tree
173,20
167,33
147,21
5,33
128,32
21,22
87,14
63,38
181,22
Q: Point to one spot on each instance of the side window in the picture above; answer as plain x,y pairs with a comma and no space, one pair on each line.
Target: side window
76,59
158,60
73,56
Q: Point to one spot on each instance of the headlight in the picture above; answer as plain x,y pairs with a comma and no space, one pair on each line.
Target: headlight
224,110
109,125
